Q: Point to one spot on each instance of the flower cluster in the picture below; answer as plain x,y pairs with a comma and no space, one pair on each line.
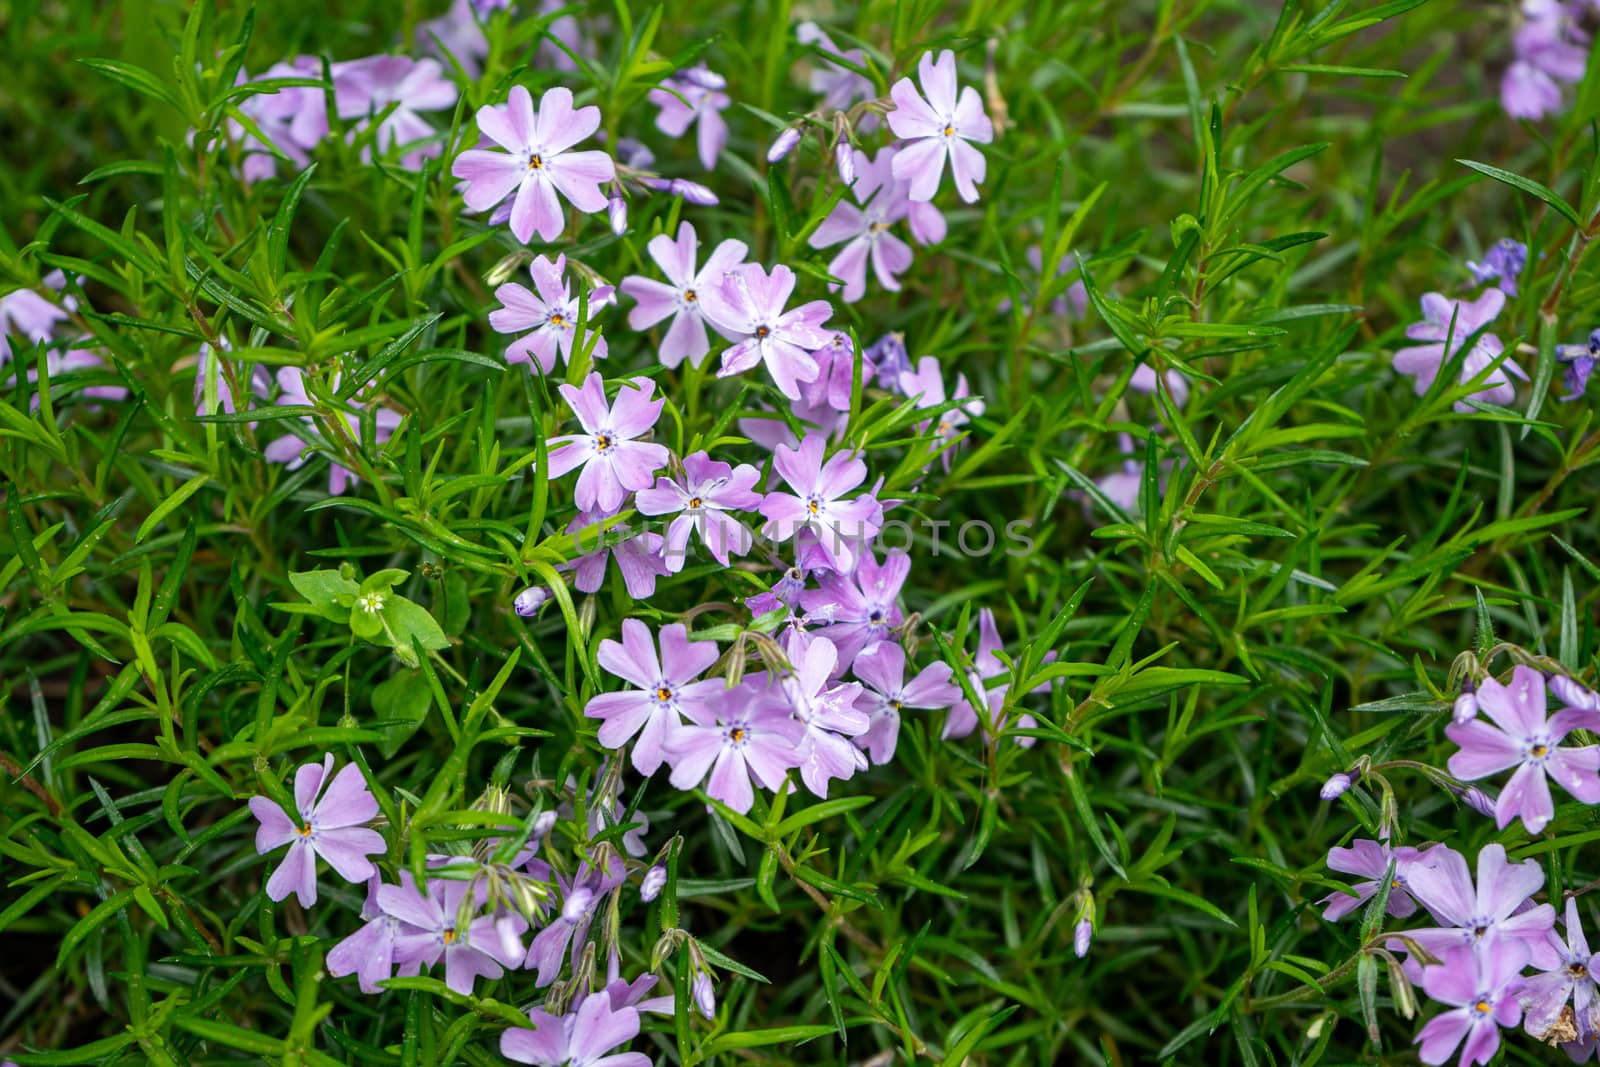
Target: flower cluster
1552,50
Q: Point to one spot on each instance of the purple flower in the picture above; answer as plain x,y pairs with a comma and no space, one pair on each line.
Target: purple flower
839,86
701,499
1545,995
865,232
752,736
537,162
650,886
927,385
817,503
1071,304
614,463
477,950
580,896
401,86
889,359
290,449
294,119
1144,381
1482,992
1446,326
1579,361
1522,737
862,607
1573,695
783,144
1551,49
369,952
826,711
1370,860
692,97
885,693
939,127
1504,261
459,34
583,1038
72,361
836,367
705,998
1465,708
985,665
208,372
1484,919
551,317
684,298
749,305
26,314
665,690
1082,936
327,825
639,558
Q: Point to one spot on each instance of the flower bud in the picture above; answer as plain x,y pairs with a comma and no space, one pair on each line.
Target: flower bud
785,143
1466,708
543,823
1477,800
1573,695
704,997
655,879
617,210
1082,934
845,156
695,193
1335,787
530,600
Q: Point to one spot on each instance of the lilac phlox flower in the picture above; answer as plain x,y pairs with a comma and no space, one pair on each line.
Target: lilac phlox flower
684,299
294,119
863,605
689,191
836,363
459,34
705,997
1075,301
1545,995
580,898
818,501
209,373
889,359
471,949
839,86
582,1038
1370,860
614,463
640,558
700,500
1446,325
1551,49
73,361
1336,786
1579,361
290,449
327,823
1481,990
1484,918
886,693
963,719
563,36
1144,381
665,690
654,880
926,383
939,126
753,736
1521,736
636,994
1503,264
550,316
537,162
27,315
749,304
1573,695
369,952
864,230
396,87
825,709
694,97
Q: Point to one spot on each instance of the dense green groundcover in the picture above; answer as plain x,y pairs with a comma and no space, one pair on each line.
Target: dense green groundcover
1278,589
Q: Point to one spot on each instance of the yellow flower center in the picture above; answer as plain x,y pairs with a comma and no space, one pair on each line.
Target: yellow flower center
663,694
603,442
536,163
689,296
1483,1007
449,937
694,502
736,735
762,331
305,830
1539,751
949,130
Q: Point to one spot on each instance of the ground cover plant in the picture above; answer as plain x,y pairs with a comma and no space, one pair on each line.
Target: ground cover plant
771,532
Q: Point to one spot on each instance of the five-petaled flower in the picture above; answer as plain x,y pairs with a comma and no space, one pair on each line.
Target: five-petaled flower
939,126
537,162
330,812
550,316
684,299
614,463
817,502
665,690
750,305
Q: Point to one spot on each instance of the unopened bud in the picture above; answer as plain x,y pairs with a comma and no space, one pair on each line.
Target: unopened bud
845,156
1477,800
1335,787
655,879
785,143
1466,707
617,210
543,823
502,271
1082,935
530,600
704,997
